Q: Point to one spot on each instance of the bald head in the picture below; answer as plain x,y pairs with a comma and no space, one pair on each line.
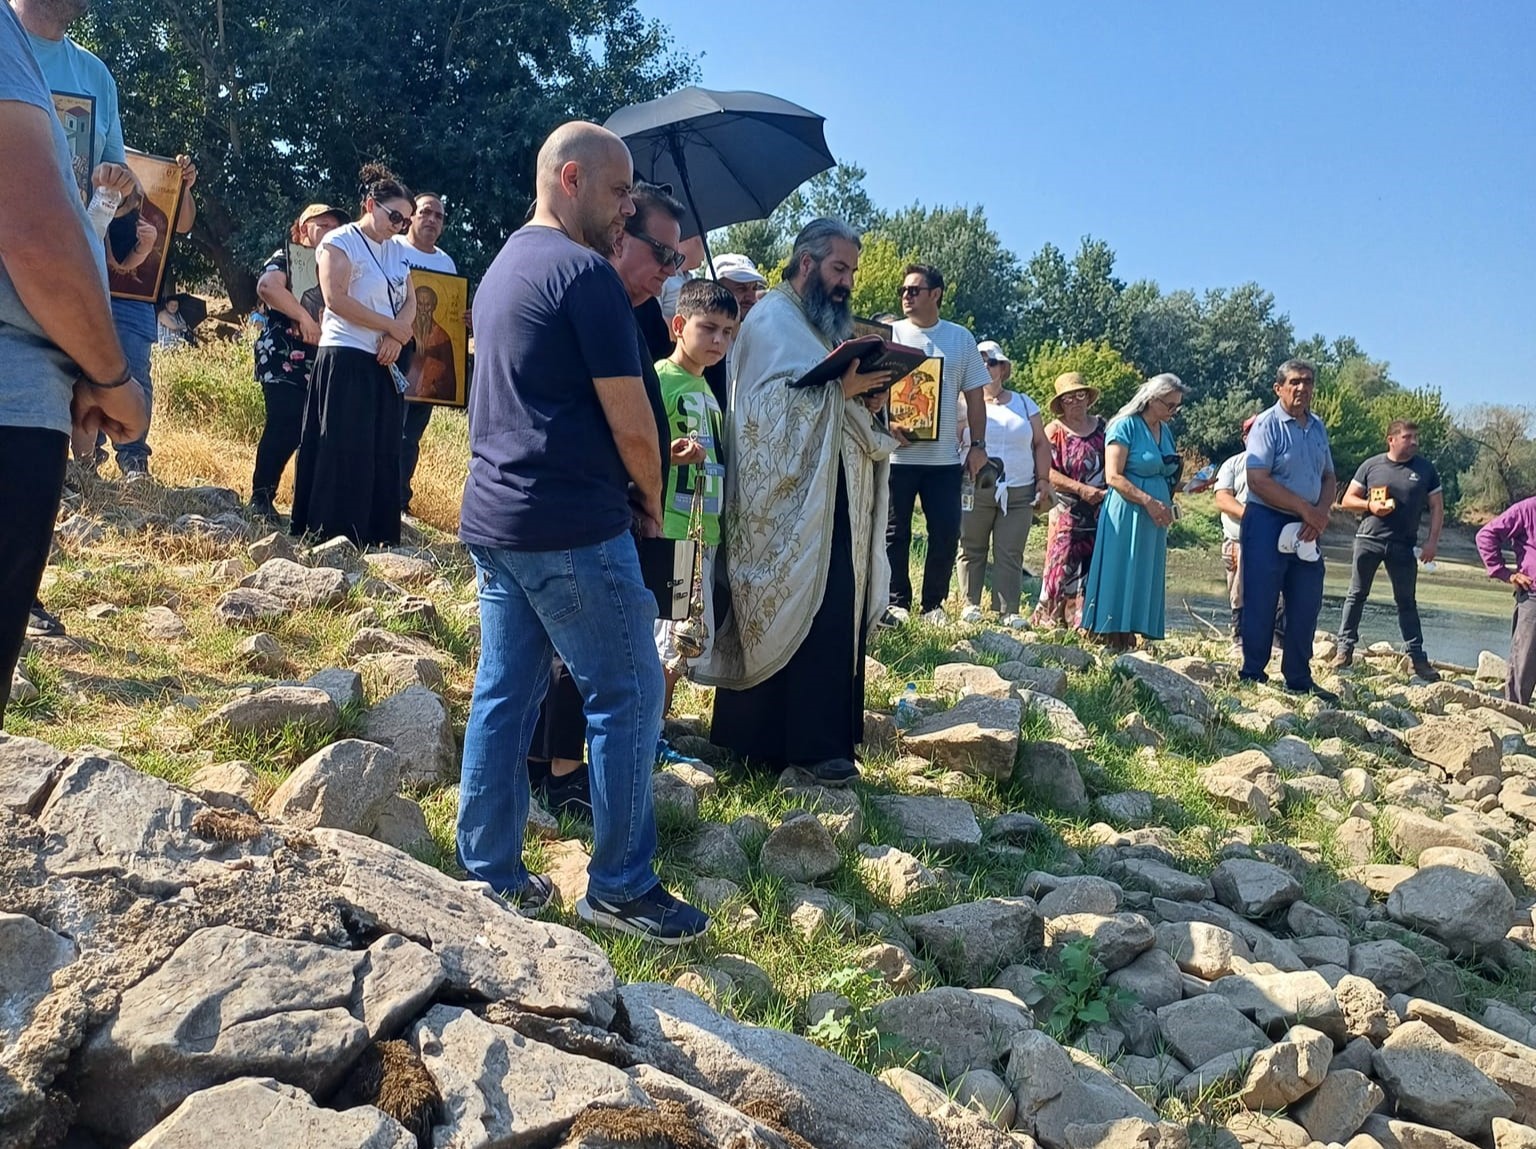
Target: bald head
578,142
584,179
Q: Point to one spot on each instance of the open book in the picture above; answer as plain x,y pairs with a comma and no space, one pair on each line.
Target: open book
873,354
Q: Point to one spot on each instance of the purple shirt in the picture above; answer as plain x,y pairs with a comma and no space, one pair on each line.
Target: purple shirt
1515,529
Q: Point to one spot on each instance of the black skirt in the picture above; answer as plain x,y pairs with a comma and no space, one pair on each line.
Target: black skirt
347,478
812,709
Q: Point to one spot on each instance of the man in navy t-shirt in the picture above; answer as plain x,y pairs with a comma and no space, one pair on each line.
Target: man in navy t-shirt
563,459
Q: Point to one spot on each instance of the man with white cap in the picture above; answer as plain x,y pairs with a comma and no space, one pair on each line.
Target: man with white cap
739,275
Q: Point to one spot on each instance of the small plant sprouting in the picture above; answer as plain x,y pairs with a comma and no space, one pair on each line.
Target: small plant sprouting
1077,992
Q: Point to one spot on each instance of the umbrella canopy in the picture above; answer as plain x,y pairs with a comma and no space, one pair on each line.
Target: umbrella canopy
735,156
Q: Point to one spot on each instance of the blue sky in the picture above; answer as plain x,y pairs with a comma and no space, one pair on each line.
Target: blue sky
1372,163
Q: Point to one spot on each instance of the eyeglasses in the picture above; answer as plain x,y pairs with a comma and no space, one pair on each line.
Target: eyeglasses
665,254
398,221
909,289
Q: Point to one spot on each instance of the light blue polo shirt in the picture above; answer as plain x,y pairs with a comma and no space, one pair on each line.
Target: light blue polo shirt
1296,455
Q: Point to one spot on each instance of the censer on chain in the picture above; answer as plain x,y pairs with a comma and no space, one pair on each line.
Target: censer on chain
690,634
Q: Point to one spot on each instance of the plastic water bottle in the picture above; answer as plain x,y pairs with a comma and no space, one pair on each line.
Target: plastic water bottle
967,493
1427,567
103,206
1204,474
907,713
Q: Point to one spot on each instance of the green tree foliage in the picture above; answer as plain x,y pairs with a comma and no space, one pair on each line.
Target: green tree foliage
1352,431
837,193
281,101
1504,467
979,272
881,267
1101,365
1074,301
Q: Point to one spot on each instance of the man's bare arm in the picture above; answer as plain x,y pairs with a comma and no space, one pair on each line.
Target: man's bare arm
629,416
1355,498
48,255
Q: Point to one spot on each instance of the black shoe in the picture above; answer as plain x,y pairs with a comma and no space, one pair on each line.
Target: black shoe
1422,669
1327,697
655,915
262,509
569,793
535,895
42,623
832,771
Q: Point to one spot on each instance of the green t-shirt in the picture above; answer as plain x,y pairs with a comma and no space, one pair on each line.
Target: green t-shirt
691,410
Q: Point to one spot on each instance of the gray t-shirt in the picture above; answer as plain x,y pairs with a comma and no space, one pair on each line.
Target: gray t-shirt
35,376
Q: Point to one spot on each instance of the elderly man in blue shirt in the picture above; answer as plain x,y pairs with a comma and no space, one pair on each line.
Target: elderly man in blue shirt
1290,480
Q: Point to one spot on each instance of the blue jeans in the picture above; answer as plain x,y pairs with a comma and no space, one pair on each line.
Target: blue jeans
590,606
1267,575
136,331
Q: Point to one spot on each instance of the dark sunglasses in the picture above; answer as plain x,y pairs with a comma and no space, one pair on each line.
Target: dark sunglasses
908,290
665,255
395,218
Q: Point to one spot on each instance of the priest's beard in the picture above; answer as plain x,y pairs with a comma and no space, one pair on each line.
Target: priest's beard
830,314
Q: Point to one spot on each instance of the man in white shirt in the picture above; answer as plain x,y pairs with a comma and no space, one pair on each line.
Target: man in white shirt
1232,500
421,254
928,465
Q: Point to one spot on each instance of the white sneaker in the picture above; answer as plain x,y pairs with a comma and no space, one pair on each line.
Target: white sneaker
1016,622
895,616
936,616
971,614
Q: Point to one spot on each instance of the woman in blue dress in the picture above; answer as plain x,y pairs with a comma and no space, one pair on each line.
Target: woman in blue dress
1125,590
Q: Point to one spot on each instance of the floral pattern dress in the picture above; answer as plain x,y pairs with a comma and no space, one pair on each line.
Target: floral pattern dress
1073,525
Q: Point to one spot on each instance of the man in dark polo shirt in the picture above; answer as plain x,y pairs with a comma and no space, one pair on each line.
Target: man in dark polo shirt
1390,491
560,428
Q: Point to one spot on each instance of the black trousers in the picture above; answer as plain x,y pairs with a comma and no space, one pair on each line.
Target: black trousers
32,464
813,709
347,480
1522,650
1403,571
417,416
562,728
279,436
939,489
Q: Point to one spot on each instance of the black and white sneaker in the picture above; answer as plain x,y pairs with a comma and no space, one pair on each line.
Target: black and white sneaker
534,896
655,915
42,623
569,794
832,771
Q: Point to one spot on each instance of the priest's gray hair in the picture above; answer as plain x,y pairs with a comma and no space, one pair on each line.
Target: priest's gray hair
1158,387
815,240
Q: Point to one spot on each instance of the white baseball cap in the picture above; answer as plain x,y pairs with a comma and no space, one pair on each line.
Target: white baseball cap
1291,543
992,351
738,268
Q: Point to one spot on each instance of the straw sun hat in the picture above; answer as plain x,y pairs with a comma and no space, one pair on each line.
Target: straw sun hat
1069,382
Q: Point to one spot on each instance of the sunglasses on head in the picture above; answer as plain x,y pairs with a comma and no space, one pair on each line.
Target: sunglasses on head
665,254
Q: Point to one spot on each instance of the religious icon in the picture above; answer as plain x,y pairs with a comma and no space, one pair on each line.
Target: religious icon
1381,497
915,401
304,279
437,372
161,180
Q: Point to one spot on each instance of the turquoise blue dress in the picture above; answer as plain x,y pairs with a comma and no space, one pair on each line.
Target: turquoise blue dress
1126,580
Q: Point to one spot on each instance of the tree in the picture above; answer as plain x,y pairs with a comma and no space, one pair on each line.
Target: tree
1504,470
281,101
979,272
881,267
1071,302
1352,432
1100,364
837,193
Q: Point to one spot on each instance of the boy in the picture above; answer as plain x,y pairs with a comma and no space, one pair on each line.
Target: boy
704,327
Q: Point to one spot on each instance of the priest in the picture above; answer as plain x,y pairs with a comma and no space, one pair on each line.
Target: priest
803,539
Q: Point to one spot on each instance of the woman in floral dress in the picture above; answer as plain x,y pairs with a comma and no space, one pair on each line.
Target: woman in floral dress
1076,436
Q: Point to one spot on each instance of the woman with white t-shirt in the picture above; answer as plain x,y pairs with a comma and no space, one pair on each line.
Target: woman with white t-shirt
347,479
1003,512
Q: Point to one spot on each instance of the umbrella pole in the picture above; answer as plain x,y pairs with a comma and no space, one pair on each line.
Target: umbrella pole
676,147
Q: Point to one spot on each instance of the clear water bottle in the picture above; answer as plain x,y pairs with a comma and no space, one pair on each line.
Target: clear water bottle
1200,477
1427,567
103,206
967,493
907,713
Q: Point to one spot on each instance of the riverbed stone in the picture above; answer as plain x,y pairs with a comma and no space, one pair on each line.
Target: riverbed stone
1457,896
260,1113
978,735
1432,1082
1252,888
973,940
345,785
945,825
416,725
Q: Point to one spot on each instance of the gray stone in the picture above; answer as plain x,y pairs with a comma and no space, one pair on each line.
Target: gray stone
416,725
1322,951
1516,1076
30,954
951,1030
402,570
245,607
1244,783
1201,1028
1393,1134
270,711
402,823
812,910
972,940
375,640
799,849
1507,1134
345,687
1294,755
1153,978
818,1095
1049,680
389,672
272,546
716,853
259,1113
1306,920
1202,949
262,653
1049,769
1492,667
946,825
1431,1081
1134,729
987,1095
299,586
1161,880
1083,894
1387,963
895,873
1276,1000
1340,1106
1177,693
962,678
28,771
1060,719
1457,896
346,785
1221,1073
1253,889
1367,1013
231,785
1130,807
1410,833
163,624
1459,747
979,735
1127,1133
1089,1095
1288,1070
500,1088
1116,940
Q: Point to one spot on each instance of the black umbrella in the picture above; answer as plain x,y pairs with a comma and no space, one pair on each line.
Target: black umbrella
192,308
735,155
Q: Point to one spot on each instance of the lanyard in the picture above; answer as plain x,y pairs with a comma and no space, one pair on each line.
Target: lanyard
388,290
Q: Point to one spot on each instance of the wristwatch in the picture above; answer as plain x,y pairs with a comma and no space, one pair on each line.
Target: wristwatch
978,444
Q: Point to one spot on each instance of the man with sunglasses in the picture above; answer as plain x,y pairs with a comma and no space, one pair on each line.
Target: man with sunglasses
931,469
1291,481
419,246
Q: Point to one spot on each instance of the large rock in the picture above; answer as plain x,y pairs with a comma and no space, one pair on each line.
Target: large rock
1458,747
816,1094
1049,769
1252,888
1200,1029
973,940
1202,949
1245,783
298,586
1410,833
30,954
1153,979
1276,1000
1055,1088
232,1003
979,735
1178,693
346,786
799,849
1386,963
1429,1080
1161,880
1060,719
273,710
946,825
964,678
486,950
1050,680
501,1088
1390,1133
416,725
1457,896
1078,894
950,1029
28,770
259,1113
1340,1106
246,607
1116,940
1287,1070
